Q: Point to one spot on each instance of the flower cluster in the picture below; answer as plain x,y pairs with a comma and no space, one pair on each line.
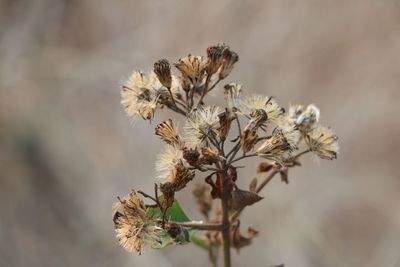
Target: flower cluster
212,141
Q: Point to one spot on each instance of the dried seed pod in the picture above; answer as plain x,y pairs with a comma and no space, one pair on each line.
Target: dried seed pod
242,198
162,69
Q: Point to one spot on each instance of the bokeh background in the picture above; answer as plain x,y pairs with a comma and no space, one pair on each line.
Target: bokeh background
67,149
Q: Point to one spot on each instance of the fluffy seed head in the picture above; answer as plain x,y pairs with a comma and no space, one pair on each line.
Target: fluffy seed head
135,229
139,96
167,160
201,123
323,142
305,119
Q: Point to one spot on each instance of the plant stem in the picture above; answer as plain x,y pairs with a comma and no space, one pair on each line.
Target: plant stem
225,222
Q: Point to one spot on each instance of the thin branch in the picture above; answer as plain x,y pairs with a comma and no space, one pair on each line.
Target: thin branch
200,225
243,157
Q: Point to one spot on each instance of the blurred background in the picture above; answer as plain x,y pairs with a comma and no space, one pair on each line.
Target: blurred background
67,149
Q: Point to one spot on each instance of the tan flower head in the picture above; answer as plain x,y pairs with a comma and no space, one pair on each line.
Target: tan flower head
323,142
138,96
169,133
135,229
192,69
162,69
200,124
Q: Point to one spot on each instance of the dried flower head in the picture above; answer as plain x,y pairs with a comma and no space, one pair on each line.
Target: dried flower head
214,57
168,132
138,96
192,69
162,69
305,119
280,145
201,123
248,139
229,58
261,109
134,227
323,142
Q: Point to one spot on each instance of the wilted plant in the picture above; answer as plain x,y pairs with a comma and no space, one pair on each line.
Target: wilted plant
208,149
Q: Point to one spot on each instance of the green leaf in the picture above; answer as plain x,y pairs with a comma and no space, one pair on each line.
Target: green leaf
174,213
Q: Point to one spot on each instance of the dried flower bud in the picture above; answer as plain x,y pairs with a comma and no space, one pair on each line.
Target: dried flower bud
162,69
225,121
214,57
323,142
135,229
229,58
248,140
168,191
191,155
203,198
169,133
192,69
233,94
242,198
